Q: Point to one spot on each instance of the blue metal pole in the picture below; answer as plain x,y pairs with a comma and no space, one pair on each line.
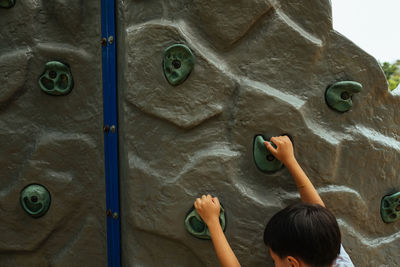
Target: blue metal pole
110,110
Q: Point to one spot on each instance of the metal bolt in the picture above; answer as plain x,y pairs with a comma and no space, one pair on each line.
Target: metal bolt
111,40
53,74
115,215
176,63
104,41
345,95
106,129
108,213
113,128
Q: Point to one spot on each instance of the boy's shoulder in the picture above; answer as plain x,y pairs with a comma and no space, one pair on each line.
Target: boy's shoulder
343,260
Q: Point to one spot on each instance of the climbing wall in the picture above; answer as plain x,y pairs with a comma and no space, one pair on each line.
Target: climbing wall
201,84
52,189
260,68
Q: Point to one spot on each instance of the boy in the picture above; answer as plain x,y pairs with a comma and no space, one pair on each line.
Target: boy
302,235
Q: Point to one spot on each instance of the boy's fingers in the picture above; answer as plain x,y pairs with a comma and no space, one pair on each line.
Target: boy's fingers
276,140
209,196
197,203
270,147
216,201
267,144
203,197
286,139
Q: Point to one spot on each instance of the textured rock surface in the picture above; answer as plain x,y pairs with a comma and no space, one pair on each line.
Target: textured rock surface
262,67
53,141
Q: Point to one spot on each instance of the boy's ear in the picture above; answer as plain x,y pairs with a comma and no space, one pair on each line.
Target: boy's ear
293,262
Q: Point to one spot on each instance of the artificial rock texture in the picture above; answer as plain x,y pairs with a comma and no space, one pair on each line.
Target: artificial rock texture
261,67
53,141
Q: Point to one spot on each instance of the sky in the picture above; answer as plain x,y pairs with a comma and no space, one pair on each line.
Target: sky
371,24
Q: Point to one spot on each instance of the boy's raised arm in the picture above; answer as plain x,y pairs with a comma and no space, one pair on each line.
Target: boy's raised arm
209,209
284,153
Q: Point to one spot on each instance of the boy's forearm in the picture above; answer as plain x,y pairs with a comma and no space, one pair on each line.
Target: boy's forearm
306,189
224,252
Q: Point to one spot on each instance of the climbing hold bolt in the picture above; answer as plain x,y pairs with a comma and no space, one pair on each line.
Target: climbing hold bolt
35,200
197,227
339,95
263,159
178,63
56,79
390,208
7,3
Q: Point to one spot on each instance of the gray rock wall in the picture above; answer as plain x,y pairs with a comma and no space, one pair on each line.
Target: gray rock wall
56,141
262,67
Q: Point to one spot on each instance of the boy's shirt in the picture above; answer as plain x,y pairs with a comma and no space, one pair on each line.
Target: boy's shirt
343,260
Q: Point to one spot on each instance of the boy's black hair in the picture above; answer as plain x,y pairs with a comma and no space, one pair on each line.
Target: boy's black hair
306,231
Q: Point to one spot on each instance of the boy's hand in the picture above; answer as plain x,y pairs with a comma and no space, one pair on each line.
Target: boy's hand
208,208
283,150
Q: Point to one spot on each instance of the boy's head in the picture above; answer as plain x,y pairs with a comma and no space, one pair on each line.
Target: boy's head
306,233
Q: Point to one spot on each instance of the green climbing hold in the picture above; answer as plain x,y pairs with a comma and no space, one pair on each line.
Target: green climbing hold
390,208
197,227
264,159
35,200
339,95
7,3
56,79
178,63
